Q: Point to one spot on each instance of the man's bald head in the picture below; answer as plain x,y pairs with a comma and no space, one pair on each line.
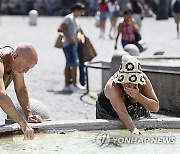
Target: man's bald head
28,52
24,57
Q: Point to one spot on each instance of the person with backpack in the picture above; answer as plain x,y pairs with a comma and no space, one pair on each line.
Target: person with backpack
176,10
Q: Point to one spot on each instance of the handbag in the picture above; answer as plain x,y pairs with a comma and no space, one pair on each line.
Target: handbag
87,49
59,43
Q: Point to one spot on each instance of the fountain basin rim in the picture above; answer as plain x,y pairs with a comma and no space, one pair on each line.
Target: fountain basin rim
99,124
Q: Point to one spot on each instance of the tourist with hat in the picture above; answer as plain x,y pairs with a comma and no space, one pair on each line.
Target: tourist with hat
127,95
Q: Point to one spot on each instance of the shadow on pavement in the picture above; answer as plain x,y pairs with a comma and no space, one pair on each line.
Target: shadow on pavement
60,92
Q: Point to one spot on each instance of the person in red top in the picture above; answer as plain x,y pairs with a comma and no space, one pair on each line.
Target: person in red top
103,9
127,27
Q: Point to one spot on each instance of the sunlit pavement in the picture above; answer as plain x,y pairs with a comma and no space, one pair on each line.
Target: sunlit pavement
46,80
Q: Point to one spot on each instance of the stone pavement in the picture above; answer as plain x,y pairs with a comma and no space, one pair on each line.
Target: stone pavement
46,80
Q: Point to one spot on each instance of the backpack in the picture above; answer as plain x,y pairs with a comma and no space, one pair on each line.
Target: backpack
176,6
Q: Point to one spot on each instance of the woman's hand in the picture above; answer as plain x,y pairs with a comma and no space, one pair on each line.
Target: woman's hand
136,132
132,91
115,47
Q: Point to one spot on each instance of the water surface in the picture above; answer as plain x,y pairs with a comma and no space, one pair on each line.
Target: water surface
88,142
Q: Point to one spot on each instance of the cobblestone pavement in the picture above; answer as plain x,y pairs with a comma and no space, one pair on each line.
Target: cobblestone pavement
46,80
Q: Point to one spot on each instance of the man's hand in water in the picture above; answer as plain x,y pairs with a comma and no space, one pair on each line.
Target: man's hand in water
28,132
34,119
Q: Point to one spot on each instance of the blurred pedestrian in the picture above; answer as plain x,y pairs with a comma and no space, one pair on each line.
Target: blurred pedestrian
127,28
137,12
13,65
176,10
114,13
128,5
103,9
82,74
70,29
86,53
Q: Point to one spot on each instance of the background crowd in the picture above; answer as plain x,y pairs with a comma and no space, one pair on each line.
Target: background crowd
62,7
49,7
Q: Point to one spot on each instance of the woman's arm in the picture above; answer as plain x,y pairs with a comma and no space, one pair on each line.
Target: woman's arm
147,98
119,31
135,26
114,94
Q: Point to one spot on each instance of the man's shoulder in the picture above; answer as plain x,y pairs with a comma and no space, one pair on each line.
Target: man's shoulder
68,18
1,69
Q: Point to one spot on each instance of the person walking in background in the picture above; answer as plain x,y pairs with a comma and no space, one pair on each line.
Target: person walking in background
128,5
137,12
127,28
127,95
82,74
176,10
70,29
13,65
114,13
103,9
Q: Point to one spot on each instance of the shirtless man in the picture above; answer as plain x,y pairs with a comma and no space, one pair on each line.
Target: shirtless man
13,65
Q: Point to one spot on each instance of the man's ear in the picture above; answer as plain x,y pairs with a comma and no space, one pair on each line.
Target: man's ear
15,55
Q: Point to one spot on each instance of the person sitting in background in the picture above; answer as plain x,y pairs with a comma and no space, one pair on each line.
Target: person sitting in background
127,95
13,65
127,28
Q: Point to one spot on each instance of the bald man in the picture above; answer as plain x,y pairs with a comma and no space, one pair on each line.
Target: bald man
13,65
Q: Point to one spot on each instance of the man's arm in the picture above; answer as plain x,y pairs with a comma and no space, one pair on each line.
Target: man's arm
23,98
9,108
63,28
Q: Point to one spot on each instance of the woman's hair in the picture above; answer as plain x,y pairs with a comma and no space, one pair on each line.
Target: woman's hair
102,1
127,12
78,6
